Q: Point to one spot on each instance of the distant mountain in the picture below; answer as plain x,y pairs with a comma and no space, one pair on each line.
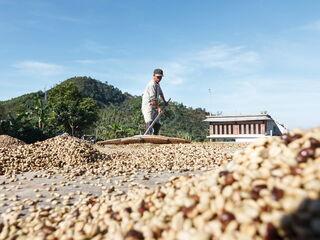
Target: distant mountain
104,94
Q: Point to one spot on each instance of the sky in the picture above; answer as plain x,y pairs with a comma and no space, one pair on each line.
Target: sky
237,57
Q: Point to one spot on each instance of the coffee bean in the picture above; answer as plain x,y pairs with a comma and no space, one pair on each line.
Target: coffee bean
225,218
223,173
288,138
272,233
157,233
195,197
161,195
229,179
134,235
144,206
266,208
48,229
255,195
315,143
277,193
187,210
295,170
255,192
259,187
116,216
128,210
305,154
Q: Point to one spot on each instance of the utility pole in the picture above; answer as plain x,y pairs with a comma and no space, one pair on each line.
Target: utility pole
210,99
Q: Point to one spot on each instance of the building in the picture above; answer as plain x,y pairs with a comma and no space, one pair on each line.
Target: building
242,128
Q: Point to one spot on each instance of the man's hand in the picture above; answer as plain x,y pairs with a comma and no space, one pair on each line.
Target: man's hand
159,110
154,103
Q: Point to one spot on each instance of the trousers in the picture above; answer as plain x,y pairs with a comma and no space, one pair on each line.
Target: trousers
155,129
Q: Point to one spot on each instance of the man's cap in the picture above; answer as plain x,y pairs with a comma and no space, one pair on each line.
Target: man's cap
158,72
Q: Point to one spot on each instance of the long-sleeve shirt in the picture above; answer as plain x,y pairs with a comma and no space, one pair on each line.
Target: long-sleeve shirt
151,93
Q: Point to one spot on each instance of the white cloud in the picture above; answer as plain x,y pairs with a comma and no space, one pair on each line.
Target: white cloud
314,26
68,19
41,68
86,61
58,17
227,58
220,57
102,62
176,71
95,47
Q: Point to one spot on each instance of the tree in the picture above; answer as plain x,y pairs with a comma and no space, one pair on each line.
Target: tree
2,115
20,126
71,112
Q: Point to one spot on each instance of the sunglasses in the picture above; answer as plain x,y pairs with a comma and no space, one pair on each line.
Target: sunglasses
159,77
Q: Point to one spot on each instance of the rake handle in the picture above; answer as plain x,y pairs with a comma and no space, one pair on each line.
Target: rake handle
156,119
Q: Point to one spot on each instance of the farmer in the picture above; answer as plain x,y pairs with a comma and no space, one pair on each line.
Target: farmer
150,101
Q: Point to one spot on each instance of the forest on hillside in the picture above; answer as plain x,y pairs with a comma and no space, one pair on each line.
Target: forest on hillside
85,106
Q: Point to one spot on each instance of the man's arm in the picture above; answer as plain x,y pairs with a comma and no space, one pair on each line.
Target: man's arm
154,103
162,96
153,98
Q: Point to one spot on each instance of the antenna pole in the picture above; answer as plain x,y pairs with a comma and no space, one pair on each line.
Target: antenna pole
210,100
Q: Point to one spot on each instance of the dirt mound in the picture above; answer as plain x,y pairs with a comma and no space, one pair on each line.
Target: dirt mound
269,191
7,141
58,152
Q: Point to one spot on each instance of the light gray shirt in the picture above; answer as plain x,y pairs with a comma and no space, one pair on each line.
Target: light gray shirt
152,92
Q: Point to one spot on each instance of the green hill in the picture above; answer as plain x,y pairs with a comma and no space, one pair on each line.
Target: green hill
119,113
103,93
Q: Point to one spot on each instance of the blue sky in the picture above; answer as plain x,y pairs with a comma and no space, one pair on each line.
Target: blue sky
253,55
